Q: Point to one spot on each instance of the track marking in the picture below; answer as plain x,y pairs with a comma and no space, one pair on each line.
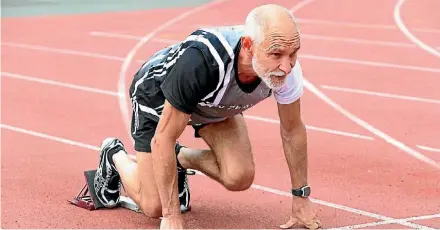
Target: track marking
255,186
344,208
369,63
362,25
130,37
111,93
359,41
395,221
354,25
301,4
408,34
302,56
49,137
379,94
306,36
57,83
369,127
336,132
387,138
428,148
62,51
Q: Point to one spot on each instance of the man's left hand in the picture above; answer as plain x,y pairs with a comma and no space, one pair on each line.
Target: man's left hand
302,214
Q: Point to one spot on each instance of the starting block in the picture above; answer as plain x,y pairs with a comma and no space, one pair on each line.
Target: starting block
87,199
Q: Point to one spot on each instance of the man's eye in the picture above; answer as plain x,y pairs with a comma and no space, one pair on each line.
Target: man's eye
275,54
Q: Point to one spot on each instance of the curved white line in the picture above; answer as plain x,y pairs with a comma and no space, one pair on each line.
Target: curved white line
128,59
370,128
361,122
300,5
405,31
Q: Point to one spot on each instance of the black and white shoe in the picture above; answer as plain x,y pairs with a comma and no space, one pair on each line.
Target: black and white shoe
183,185
107,181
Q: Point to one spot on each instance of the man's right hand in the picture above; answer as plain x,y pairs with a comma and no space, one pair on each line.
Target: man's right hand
172,222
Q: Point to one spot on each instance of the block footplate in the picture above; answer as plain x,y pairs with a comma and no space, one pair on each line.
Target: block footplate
86,198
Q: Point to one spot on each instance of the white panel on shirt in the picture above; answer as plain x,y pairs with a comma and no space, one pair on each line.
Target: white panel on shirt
293,88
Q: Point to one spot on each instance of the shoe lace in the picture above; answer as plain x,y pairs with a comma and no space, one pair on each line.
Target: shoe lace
187,171
190,172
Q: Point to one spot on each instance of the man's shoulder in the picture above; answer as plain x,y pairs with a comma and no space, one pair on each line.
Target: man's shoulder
293,87
293,78
218,45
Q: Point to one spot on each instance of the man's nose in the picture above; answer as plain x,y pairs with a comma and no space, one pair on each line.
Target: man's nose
286,65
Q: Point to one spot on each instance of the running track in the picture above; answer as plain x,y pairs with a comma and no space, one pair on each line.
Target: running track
60,99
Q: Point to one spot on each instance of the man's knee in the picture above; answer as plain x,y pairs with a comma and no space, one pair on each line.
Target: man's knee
151,208
239,178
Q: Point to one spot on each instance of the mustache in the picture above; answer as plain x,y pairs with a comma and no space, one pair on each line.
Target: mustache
276,73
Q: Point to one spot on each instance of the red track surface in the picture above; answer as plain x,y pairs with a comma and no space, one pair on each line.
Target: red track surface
39,174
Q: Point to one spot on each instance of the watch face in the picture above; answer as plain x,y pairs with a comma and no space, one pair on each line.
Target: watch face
306,191
303,191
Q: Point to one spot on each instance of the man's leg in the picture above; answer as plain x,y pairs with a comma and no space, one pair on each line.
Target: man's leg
138,180
230,160
137,176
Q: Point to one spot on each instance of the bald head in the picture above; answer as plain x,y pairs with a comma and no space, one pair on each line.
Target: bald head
263,19
271,40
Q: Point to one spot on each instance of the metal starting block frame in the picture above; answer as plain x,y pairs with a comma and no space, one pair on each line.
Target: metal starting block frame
87,199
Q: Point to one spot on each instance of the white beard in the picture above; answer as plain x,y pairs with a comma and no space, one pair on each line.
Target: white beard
270,78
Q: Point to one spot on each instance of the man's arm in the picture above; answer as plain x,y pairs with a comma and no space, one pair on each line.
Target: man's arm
294,139
189,80
170,127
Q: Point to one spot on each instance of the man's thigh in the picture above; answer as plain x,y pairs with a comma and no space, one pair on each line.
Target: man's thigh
229,140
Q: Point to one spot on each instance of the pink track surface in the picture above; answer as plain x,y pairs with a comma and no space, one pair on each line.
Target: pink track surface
371,178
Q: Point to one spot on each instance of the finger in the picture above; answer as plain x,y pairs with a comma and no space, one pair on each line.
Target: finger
292,221
314,224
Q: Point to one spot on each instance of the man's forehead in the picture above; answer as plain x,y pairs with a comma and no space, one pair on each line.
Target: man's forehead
282,42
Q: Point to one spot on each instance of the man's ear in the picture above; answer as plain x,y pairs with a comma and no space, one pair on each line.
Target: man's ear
247,44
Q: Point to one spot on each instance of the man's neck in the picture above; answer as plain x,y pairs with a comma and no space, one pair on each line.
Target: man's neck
246,74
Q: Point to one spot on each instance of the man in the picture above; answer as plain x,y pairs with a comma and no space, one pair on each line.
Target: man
207,81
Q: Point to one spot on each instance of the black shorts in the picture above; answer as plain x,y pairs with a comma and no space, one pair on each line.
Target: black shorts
147,102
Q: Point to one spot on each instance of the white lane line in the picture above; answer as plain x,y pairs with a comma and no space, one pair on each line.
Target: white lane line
348,24
130,37
362,25
407,33
345,208
300,5
303,56
369,127
379,94
314,128
396,143
312,88
57,83
358,41
428,148
255,186
369,63
61,51
395,221
49,137
111,93
305,36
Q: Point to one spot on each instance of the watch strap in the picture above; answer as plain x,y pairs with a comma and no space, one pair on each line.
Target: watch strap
303,191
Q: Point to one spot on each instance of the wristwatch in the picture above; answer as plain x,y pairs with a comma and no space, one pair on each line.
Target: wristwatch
303,191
